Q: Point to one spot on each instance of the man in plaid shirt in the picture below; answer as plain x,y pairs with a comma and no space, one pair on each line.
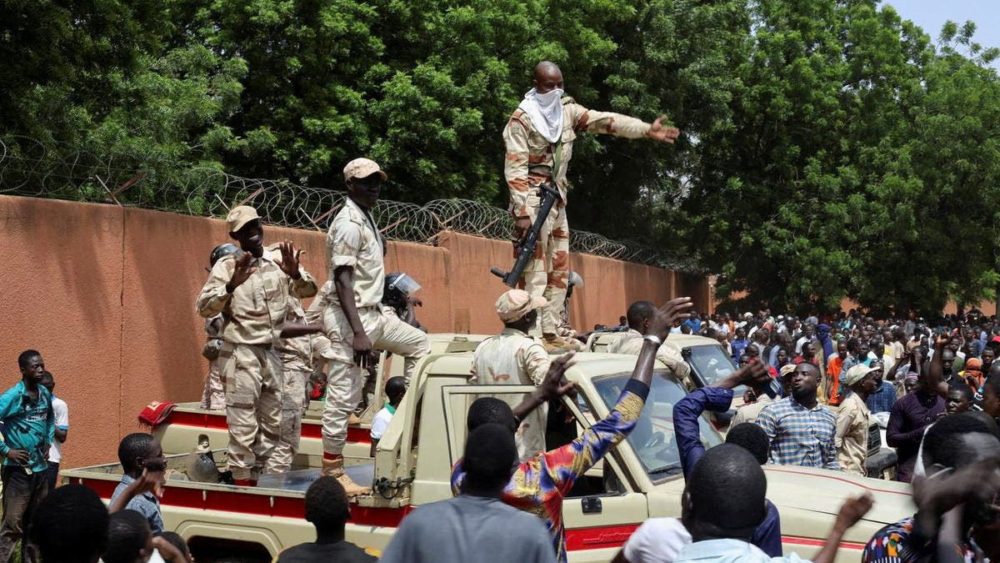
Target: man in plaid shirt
801,430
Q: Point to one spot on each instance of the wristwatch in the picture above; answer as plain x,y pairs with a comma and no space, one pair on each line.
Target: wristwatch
653,338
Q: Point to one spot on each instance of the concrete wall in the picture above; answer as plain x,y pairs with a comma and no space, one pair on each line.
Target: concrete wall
107,295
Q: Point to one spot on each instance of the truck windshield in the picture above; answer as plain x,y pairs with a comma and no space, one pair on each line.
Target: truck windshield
653,437
711,362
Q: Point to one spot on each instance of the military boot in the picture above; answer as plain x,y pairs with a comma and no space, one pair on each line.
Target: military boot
333,466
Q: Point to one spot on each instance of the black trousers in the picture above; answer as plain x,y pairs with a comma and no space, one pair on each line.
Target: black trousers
22,493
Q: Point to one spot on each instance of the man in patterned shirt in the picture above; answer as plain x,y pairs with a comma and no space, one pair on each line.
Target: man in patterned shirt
540,483
801,430
539,143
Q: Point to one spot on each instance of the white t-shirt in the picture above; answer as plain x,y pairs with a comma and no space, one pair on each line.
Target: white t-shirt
381,422
657,540
61,412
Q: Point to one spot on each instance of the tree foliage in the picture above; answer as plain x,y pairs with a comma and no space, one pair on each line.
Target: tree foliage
831,148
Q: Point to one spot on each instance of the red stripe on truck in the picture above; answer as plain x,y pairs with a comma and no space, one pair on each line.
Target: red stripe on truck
239,500
598,538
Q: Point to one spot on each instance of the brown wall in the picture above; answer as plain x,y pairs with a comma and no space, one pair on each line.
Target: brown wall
107,295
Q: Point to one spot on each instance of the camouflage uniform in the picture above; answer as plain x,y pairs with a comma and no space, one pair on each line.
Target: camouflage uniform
299,357
514,358
213,396
529,163
631,343
251,369
353,240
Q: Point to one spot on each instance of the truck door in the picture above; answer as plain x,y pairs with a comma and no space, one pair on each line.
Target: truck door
604,507
601,511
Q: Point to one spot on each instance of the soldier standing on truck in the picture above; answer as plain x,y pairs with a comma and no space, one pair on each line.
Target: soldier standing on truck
213,397
251,290
539,142
353,319
514,358
301,349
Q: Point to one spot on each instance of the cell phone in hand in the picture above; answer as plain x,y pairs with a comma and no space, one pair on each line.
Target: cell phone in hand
155,465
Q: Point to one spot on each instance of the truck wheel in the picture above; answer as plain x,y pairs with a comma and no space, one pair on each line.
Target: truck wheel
216,550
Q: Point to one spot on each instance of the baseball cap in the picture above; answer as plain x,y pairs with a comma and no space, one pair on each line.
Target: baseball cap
857,373
239,216
363,168
517,303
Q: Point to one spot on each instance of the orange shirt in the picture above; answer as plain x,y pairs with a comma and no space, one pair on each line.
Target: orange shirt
833,368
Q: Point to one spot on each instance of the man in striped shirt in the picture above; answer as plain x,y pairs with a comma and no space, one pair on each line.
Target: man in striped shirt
800,429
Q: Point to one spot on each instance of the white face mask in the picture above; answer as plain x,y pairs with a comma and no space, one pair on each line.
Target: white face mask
545,111
549,99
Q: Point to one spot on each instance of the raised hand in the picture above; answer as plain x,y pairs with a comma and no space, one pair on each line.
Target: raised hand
755,373
555,385
289,259
852,511
664,318
151,481
941,341
242,272
664,134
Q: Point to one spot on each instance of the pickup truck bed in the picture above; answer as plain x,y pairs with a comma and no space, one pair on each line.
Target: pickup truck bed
188,421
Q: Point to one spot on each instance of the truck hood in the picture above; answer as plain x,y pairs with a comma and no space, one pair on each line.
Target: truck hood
821,492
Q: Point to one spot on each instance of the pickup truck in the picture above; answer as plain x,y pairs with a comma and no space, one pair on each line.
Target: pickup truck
640,478
188,422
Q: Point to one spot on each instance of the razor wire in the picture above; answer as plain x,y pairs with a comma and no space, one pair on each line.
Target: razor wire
29,167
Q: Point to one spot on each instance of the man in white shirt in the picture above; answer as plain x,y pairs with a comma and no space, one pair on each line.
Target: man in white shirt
61,412
395,388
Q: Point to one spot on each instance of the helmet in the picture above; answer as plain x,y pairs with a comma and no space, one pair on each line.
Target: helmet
575,279
224,249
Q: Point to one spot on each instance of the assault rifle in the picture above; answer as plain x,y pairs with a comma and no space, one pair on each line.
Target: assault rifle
526,246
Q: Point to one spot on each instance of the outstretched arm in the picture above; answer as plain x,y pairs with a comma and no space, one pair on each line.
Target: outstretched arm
619,125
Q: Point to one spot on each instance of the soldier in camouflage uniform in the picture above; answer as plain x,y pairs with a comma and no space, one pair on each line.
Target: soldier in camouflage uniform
251,291
640,315
354,318
514,358
539,142
213,396
303,348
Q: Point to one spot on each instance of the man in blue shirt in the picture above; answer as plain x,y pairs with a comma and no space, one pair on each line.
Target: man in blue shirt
767,535
29,426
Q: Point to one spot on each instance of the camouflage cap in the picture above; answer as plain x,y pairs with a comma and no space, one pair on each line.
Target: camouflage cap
239,216
362,168
517,303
